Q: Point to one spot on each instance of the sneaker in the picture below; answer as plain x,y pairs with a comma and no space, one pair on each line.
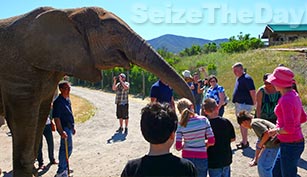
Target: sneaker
126,130
63,174
120,129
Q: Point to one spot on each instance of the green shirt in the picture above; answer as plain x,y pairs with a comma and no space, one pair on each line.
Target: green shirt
260,126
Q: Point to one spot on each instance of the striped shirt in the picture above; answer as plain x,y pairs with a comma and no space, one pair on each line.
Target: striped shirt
191,139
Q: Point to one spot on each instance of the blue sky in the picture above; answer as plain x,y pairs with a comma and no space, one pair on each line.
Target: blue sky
195,18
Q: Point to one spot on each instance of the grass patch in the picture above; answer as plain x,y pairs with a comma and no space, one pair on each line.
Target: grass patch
83,110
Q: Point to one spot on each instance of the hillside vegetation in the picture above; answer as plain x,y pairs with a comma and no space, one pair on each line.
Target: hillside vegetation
257,62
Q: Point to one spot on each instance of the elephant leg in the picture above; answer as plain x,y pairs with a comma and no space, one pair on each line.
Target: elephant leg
2,121
22,117
41,122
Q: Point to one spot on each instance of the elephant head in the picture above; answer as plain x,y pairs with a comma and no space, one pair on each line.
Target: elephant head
81,42
38,48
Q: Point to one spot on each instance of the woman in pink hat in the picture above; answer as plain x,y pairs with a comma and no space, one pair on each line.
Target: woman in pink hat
290,115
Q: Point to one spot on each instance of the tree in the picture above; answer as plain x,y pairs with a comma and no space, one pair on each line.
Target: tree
241,44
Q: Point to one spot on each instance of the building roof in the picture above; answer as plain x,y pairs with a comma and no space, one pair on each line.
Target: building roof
273,28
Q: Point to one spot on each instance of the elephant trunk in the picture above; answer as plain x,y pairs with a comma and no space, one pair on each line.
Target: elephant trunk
147,58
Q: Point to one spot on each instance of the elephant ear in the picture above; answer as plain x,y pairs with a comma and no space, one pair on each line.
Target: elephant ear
53,43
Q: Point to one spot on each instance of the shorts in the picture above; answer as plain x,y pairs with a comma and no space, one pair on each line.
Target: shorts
240,107
122,111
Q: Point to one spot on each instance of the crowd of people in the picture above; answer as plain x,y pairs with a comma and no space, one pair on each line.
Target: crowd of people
199,129
204,136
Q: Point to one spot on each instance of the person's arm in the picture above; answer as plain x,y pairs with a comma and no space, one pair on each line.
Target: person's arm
256,157
276,131
178,144
59,127
209,134
253,95
222,99
114,88
232,133
264,139
200,90
303,118
203,70
124,84
259,95
259,147
172,102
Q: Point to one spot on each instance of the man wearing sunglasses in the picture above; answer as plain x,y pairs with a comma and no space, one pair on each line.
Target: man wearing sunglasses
64,120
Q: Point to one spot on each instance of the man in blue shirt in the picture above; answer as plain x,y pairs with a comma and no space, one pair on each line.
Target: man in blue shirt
64,120
244,97
162,93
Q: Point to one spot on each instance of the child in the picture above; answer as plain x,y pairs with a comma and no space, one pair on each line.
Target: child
158,126
219,155
194,130
268,148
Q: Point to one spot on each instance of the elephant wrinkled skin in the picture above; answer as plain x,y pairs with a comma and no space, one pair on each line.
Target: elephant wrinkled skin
38,48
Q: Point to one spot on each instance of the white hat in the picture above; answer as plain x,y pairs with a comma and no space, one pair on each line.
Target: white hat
123,75
186,73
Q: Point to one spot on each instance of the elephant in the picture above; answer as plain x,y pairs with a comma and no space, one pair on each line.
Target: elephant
38,48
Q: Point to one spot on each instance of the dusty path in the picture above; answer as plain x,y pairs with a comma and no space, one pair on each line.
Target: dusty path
101,152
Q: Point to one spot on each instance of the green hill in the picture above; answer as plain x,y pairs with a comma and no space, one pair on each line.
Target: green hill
257,62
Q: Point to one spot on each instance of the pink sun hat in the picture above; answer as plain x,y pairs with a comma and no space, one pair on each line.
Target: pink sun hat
281,77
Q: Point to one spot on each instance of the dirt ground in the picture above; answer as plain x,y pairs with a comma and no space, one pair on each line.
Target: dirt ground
101,152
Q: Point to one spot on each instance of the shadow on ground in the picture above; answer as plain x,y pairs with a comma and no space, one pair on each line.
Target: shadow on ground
247,152
302,164
117,137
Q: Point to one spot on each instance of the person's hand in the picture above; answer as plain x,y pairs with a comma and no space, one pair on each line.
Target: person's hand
272,132
120,78
114,79
64,135
252,163
202,69
192,87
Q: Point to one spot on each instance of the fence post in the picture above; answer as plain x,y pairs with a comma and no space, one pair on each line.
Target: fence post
101,79
143,80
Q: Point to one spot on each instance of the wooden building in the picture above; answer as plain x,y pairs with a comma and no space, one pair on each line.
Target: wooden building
283,33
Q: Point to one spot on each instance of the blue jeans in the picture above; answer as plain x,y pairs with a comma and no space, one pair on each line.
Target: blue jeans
49,138
221,111
201,166
62,153
266,162
197,109
287,159
220,172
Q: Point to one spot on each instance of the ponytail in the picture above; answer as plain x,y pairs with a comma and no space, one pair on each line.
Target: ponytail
184,108
185,115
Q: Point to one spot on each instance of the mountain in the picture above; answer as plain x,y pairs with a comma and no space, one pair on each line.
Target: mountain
175,44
